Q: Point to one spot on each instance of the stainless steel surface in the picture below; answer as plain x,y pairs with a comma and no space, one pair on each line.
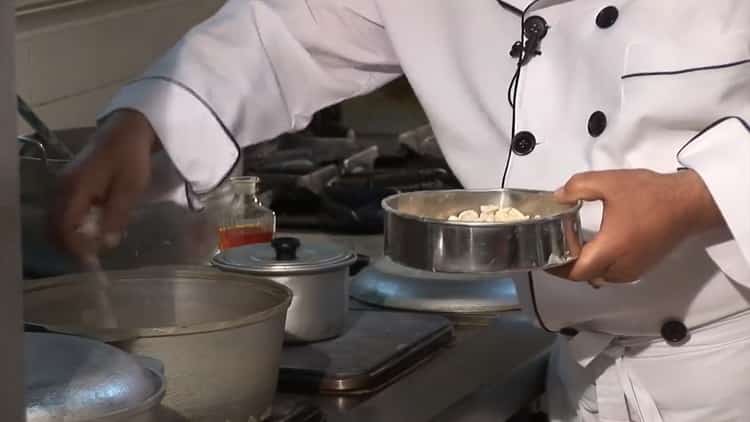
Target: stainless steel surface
11,351
493,368
218,334
497,368
318,276
73,378
388,284
419,235
377,349
159,233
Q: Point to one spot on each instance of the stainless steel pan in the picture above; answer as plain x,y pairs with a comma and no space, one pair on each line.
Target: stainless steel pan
418,233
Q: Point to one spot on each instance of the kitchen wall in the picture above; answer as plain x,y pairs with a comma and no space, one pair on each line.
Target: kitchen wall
72,55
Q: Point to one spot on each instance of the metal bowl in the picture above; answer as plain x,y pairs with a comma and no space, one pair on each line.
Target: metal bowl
418,233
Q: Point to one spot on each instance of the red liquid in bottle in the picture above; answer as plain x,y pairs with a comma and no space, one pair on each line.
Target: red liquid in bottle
232,237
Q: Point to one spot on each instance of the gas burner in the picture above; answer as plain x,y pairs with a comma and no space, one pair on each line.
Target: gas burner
337,183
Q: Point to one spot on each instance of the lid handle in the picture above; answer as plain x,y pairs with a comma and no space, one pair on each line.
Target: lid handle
286,248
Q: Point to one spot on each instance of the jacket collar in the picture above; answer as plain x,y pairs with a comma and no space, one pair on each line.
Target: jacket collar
533,4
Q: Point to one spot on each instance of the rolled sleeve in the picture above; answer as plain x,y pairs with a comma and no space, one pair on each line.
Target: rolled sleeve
255,70
721,156
187,127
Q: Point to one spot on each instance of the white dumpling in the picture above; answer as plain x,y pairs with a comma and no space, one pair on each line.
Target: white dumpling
468,215
509,214
488,209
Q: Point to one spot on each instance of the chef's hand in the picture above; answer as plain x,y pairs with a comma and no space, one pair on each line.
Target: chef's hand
111,173
646,214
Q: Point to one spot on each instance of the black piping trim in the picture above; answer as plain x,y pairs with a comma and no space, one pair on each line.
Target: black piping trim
532,290
188,189
682,71
711,126
511,8
514,88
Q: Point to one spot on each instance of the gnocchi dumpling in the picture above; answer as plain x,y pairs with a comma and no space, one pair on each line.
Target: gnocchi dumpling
490,214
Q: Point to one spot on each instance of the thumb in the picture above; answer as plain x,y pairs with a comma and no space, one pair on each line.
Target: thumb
582,187
593,262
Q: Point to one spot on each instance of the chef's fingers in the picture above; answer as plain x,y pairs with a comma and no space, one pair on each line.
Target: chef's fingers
122,197
562,271
593,262
67,216
588,186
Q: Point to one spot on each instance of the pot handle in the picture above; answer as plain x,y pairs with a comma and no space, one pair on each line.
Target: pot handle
34,328
358,265
286,248
29,141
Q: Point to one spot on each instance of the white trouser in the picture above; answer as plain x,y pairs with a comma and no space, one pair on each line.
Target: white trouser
595,377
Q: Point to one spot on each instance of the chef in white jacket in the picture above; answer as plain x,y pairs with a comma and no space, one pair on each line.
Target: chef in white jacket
638,107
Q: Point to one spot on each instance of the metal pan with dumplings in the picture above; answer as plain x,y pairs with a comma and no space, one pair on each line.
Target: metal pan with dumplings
487,231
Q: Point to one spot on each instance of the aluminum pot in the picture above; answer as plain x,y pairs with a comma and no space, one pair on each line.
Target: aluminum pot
81,380
317,274
159,232
219,335
418,233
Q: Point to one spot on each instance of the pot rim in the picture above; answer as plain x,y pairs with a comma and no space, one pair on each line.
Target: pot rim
386,205
330,268
201,274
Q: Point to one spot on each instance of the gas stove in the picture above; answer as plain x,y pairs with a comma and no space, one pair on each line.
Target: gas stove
336,183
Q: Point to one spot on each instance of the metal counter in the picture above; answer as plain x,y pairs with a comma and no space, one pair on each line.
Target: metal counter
491,372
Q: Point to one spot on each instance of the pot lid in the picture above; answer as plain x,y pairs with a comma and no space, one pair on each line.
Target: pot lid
77,379
284,255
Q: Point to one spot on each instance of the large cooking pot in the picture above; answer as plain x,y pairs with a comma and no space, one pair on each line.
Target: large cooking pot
317,274
219,335
159,233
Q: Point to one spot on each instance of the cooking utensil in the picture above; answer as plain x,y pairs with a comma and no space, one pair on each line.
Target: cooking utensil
419,235
218,334
75,379
318,274
91,227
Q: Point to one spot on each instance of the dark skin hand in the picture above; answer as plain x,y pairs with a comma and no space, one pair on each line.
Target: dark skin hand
654,211
112,173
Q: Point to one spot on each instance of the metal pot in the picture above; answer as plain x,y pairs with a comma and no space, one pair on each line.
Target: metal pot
317,274
75,379
219,335
159,233
418,233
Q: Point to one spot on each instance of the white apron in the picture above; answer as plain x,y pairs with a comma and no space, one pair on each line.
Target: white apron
644,379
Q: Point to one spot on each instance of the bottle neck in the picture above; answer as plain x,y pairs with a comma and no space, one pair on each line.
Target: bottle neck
245,185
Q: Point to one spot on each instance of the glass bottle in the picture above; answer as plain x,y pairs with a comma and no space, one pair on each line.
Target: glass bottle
240,216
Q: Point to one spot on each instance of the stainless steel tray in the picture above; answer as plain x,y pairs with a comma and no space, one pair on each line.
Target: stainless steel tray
418,233
378,348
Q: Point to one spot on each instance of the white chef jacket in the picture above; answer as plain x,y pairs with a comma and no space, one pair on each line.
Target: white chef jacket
669,78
